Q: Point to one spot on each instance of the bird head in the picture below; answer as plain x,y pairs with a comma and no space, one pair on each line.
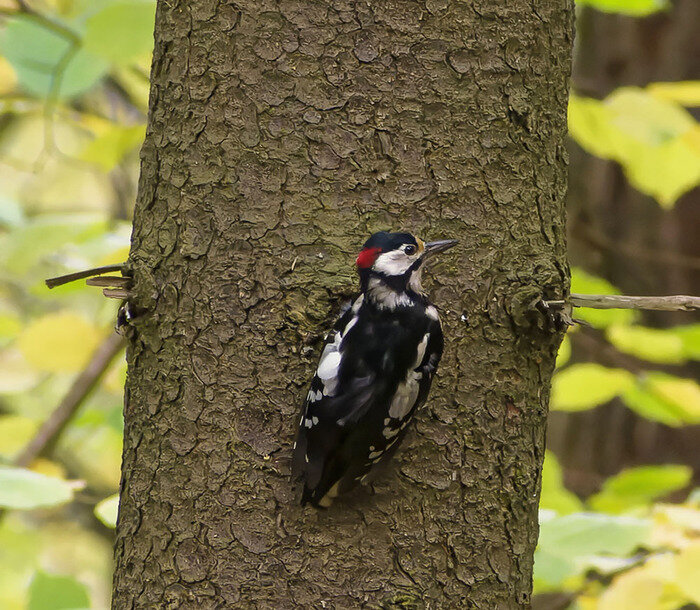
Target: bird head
394,261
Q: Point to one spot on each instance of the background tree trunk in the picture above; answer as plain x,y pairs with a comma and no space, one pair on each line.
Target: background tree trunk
280,135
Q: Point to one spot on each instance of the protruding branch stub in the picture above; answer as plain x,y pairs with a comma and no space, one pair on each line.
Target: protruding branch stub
113,287
122,281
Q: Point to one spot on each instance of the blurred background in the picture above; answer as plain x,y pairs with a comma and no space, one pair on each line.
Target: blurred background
620,513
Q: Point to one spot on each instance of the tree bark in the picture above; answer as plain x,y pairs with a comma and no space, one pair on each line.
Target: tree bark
280,135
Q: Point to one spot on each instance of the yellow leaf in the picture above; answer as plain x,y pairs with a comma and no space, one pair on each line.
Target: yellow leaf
15,432
115,257
108,149
685,392
115,378
8,78
688,572
59,342
674,525
632,591
49,468
686,93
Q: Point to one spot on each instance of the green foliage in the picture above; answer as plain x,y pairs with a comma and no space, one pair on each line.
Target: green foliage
68,166
24,489
685,93
57,593
68,170
690,336
650,344
583,386
635,8
554,496
638,487
571,544
109,148
654,139
47,62
664,398
121,32
107,510
564,353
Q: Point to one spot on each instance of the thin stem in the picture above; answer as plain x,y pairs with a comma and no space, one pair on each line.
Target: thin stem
676,302
52,428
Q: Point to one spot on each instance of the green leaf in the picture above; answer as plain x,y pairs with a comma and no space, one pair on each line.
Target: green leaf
664,398
43,59
122,31
635,8
638,487
690,336
107,510
583,282
52,592
651,344
554,495
23,489
666,171
10,324
584,386
655,140
43,236
685,93
564,353
111,147
568,545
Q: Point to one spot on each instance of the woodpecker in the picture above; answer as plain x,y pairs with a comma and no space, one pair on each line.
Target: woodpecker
375,370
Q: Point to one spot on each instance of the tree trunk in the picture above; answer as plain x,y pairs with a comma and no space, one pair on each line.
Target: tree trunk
280,135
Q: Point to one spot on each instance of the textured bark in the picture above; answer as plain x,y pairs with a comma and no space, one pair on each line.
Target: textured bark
280,135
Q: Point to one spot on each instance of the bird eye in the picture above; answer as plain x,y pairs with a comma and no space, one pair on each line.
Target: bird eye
410,249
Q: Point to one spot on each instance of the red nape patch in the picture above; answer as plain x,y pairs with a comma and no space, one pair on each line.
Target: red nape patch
366,258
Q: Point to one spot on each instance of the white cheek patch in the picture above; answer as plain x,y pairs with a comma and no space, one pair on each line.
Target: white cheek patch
395,262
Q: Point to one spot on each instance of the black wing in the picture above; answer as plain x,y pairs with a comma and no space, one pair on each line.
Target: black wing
337,396
347,423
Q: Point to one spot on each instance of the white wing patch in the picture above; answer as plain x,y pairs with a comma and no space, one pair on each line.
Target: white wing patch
420,353
407,391
405,397
431,312
329,364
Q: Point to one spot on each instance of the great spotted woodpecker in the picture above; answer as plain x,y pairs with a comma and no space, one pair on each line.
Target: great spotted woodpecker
375,370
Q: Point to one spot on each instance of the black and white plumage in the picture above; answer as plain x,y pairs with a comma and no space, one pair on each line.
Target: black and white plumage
375,370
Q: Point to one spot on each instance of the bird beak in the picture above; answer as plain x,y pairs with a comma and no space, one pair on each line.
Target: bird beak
434,247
